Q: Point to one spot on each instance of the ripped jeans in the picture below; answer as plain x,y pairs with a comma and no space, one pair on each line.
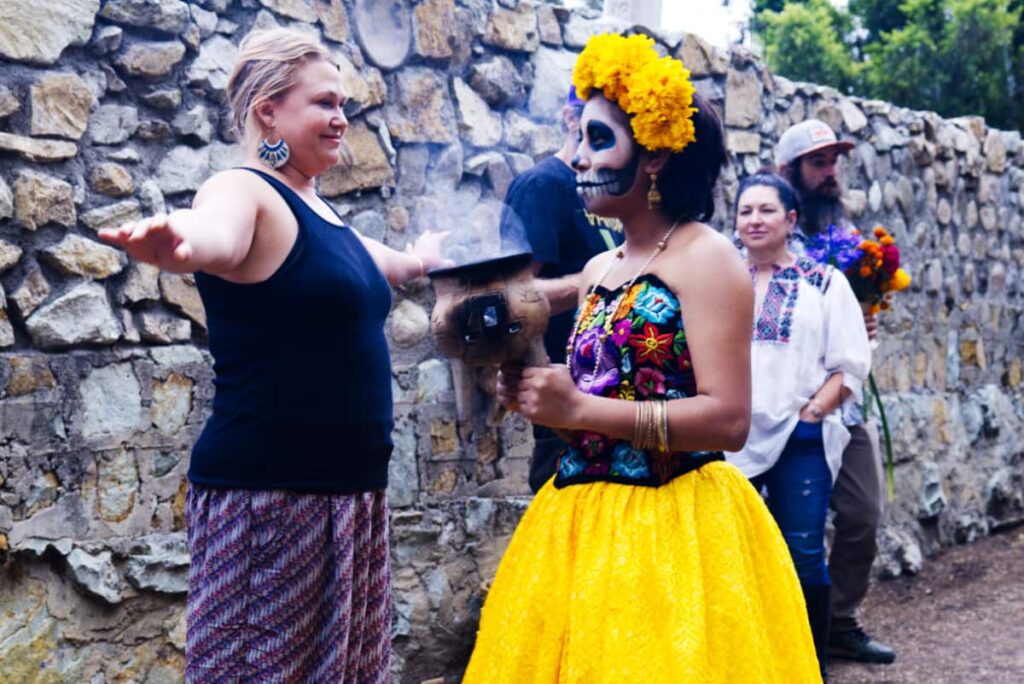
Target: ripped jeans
798,488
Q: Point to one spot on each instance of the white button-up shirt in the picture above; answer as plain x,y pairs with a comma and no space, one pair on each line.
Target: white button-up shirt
809,326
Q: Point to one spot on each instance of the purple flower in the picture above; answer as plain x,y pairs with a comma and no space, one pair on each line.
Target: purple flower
620,333
595,375
837,247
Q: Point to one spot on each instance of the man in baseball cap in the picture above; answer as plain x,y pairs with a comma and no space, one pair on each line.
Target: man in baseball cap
809,155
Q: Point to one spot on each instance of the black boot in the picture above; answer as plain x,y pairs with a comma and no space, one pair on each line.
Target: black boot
819,614
854,644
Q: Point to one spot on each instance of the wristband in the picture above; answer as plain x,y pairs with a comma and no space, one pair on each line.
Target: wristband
815,409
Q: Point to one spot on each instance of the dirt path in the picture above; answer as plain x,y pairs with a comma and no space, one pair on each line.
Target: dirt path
961,620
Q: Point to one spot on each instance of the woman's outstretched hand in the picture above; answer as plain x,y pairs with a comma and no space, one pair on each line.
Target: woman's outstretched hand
545,395
427,248
158,240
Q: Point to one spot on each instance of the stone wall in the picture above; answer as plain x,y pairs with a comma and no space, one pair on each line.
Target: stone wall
110,110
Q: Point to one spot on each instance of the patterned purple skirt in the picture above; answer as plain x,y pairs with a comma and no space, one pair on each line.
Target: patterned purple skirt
288,587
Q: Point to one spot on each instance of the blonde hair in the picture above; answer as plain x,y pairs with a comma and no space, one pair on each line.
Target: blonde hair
265,69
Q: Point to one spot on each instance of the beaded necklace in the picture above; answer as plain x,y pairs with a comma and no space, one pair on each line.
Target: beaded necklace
590,302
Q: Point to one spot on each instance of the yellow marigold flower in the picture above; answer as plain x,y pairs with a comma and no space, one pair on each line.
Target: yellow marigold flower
887,240
880,231
655,91
900,280
658,93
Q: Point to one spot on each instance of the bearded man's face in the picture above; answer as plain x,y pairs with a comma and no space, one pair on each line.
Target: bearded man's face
819,174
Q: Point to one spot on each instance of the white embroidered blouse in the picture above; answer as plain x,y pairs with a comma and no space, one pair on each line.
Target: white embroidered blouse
809,326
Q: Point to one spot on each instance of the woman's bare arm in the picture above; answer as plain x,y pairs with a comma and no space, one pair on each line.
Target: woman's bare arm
827,399
718,305
213,236
419,258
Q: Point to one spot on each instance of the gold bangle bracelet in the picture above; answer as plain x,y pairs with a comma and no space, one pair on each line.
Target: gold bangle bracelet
643,430
650,425
664,428
637,423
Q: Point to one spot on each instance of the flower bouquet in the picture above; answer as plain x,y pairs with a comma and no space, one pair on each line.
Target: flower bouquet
872,265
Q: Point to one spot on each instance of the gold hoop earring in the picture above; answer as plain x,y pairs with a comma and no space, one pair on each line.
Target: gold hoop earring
653,196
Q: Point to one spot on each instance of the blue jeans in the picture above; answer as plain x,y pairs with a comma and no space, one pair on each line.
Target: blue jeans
798,488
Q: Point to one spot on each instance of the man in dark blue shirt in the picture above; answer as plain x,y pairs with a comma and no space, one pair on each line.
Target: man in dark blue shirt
544,213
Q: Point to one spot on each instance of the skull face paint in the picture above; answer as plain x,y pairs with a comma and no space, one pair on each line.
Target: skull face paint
607,158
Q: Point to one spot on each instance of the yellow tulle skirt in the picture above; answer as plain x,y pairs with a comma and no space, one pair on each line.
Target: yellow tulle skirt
606,583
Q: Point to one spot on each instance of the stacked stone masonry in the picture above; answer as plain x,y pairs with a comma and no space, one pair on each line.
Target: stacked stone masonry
112,110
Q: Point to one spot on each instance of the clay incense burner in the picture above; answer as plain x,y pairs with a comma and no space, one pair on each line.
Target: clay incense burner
487,313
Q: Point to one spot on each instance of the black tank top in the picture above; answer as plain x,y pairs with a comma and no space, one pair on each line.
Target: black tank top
302,370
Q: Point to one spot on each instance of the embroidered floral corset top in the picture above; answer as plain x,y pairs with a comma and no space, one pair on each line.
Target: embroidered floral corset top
644,357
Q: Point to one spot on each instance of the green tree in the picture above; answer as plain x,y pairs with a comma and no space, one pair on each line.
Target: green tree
957,60
978,48
952,56
878,15
804,41
904,63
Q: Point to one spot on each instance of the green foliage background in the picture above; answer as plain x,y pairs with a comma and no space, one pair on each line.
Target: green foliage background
955,57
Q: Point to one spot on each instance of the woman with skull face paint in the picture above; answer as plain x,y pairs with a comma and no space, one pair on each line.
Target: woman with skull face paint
647,558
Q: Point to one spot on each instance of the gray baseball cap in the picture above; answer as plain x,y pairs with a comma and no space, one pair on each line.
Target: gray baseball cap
806,137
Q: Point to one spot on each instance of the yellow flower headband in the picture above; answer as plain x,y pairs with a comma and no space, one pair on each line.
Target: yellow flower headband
655,91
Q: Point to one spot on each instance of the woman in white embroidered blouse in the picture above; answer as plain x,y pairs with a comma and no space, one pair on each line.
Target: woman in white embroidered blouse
810,354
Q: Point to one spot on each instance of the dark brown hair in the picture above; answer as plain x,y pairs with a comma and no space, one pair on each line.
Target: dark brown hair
687,183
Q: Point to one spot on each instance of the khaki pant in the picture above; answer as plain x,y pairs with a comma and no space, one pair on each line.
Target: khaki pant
857,502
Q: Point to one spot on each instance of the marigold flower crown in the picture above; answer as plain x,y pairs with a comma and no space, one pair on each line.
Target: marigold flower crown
655,91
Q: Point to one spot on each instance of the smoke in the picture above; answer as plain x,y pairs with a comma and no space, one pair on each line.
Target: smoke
459,200
480,226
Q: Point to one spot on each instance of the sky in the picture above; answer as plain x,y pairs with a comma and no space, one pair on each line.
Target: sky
707,18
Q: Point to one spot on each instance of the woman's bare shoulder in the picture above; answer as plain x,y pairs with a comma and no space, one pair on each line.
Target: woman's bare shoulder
707,257
709,242
597,264
237,179
236,187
